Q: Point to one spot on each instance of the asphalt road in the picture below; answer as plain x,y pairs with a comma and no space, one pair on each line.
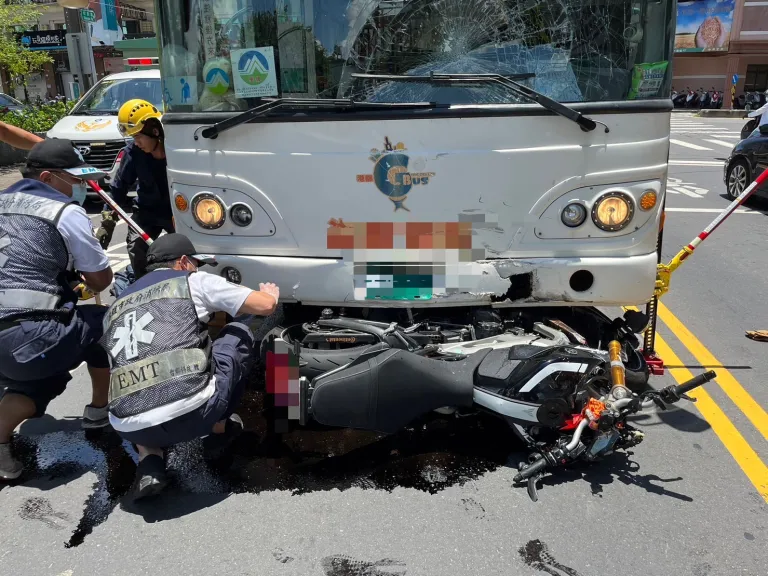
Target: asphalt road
690,500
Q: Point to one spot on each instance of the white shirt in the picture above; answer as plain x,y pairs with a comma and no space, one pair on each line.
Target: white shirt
211,294
86,254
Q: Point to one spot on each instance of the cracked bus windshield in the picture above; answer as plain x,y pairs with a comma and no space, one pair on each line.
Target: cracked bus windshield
225,55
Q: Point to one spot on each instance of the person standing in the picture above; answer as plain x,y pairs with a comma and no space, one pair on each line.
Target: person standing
144,163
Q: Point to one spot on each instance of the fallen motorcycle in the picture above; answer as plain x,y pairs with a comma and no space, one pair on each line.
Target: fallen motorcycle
565,401
333,341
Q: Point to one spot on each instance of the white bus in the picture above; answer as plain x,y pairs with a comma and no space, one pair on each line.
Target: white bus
422,157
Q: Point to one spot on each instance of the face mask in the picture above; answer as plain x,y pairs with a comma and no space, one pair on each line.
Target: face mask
79,193
79,190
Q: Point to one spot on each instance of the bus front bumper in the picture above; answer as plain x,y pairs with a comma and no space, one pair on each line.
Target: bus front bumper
499,282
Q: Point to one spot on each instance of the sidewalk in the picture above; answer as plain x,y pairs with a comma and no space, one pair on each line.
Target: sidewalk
9,175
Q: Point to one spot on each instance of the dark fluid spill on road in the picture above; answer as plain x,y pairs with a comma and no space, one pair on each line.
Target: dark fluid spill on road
537,555
431,456
343,565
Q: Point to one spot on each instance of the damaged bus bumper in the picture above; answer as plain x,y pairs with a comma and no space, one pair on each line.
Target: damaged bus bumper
497,282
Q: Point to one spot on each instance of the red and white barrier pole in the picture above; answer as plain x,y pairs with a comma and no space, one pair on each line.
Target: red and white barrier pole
688,250
112,204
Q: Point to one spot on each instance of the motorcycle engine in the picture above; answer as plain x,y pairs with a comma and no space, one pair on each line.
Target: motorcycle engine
487,323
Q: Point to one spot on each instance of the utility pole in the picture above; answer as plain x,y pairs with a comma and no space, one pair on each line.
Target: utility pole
75,26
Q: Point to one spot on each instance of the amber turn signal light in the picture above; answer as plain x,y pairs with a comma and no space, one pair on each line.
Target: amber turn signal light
181,203
648,200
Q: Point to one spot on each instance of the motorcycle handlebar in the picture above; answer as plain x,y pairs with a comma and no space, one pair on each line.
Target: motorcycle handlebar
695,382
672,394
532,470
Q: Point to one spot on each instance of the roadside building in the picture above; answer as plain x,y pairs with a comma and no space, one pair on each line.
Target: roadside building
108,23
718,41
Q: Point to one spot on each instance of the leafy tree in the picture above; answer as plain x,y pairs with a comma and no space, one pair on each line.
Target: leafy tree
17,16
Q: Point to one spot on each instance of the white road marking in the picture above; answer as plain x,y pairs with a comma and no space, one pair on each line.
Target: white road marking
706,132
120,265
695,163
689,145
711,210
115,247
728,145
677,186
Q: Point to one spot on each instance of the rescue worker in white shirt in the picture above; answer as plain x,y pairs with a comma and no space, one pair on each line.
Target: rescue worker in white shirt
169,383
45,236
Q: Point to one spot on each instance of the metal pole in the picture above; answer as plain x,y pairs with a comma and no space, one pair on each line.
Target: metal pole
75,24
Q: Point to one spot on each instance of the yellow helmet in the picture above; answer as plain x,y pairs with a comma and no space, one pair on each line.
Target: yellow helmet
133,114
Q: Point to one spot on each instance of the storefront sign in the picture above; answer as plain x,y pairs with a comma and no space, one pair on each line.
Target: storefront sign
704,25
44,39
109,14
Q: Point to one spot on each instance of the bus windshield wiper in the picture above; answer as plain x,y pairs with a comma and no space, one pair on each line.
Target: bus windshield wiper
272,104
585,123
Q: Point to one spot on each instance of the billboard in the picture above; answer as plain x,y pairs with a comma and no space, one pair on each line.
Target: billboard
704,25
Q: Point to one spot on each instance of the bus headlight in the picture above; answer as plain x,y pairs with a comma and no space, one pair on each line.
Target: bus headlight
209,211
573,215
613,211
241,214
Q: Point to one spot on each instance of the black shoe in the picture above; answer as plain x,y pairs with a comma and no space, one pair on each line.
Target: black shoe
214,445
151,477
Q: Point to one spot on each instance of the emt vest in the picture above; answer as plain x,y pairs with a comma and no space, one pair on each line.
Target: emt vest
34,258
159,350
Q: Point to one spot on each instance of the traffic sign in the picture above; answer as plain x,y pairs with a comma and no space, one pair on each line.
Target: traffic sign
88,15
735,79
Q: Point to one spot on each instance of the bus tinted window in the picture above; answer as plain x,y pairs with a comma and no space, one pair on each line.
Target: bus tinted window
220,55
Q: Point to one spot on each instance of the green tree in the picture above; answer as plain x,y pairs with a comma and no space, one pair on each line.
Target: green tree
17,16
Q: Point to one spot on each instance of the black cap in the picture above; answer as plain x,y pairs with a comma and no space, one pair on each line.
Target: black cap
60,154
174,246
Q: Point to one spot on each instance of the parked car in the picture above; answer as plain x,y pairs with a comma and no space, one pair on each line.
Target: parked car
9,104
92,123
746,162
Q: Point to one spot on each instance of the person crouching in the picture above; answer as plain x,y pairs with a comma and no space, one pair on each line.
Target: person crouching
169,383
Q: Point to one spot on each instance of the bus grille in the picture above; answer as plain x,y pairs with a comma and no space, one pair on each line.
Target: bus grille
102,154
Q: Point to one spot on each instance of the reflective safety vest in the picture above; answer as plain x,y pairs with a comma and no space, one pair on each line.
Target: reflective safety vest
159,350
34,258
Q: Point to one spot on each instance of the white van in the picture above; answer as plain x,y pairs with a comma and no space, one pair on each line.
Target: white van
92,123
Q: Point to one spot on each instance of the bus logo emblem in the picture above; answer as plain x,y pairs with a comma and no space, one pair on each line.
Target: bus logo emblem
253,67
391,174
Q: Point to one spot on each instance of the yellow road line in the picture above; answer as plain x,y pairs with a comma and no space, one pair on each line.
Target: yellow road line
735,391
750,463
